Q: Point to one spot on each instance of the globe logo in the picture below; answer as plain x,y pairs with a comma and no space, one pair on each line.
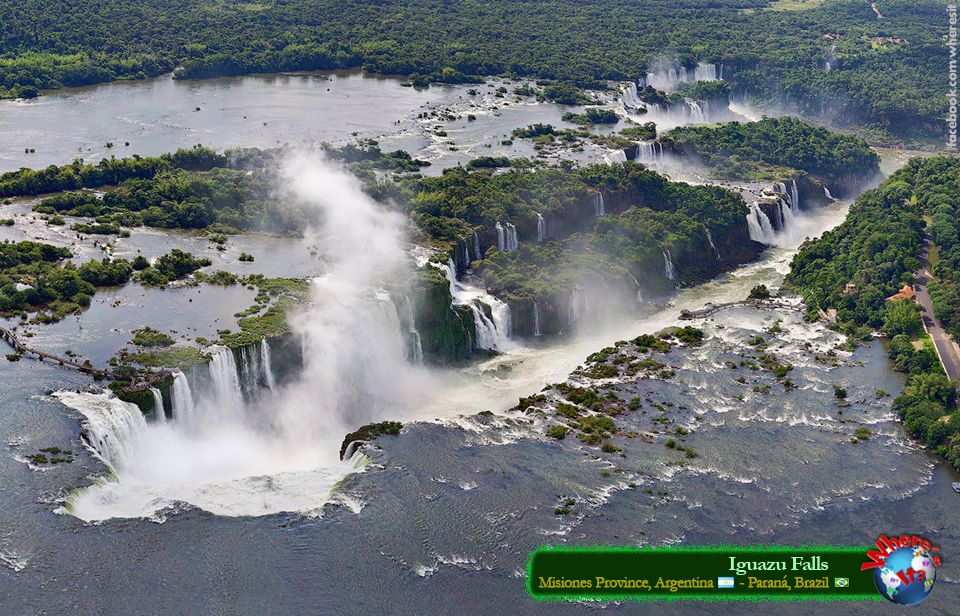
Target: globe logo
907,576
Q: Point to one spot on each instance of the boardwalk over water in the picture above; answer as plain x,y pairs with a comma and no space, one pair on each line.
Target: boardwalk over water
23,349
756,303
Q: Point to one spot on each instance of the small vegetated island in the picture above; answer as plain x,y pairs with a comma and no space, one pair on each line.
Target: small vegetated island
836,61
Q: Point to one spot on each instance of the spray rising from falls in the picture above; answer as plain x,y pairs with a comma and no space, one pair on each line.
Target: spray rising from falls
238,442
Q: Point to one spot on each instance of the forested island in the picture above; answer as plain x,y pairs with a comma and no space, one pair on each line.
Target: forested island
836,61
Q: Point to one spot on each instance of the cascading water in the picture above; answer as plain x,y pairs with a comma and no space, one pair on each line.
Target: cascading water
266,363
490,333
181,398
668,79
648,152
826,193
826,67
537,331
668,268
598,209
705,72
630,98
476,246
226,384
712,245
573,309
158,405
615,157
506,237
417,347
112,427
759,225
541,228
466,255
696,113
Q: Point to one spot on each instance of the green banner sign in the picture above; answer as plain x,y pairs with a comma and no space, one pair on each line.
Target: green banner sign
710,573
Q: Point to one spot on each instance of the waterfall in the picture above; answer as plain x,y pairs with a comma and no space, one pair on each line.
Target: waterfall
712,245
251,369
630,98
573,309
476,246
506,237
826,192
826,67
541,228
226,383
668,266
158,405
615,157
598,209
266,365
667,80
491,334
417,347
536,319
705,72
466,255
648,152
181,397
759,224
792,198
114,428
696,113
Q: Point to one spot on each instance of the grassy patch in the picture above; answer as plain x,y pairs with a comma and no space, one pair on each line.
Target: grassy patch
794,5
172,358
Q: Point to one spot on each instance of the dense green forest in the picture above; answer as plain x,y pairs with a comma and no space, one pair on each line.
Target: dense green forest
886,73
751,150
876,251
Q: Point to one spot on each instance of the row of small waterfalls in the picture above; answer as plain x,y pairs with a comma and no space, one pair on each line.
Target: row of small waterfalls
667,78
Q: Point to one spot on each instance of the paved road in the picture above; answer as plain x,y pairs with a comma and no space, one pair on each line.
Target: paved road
947,350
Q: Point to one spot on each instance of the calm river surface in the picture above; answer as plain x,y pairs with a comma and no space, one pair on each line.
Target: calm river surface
441,519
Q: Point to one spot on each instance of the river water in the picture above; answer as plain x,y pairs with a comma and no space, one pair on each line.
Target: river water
442,518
